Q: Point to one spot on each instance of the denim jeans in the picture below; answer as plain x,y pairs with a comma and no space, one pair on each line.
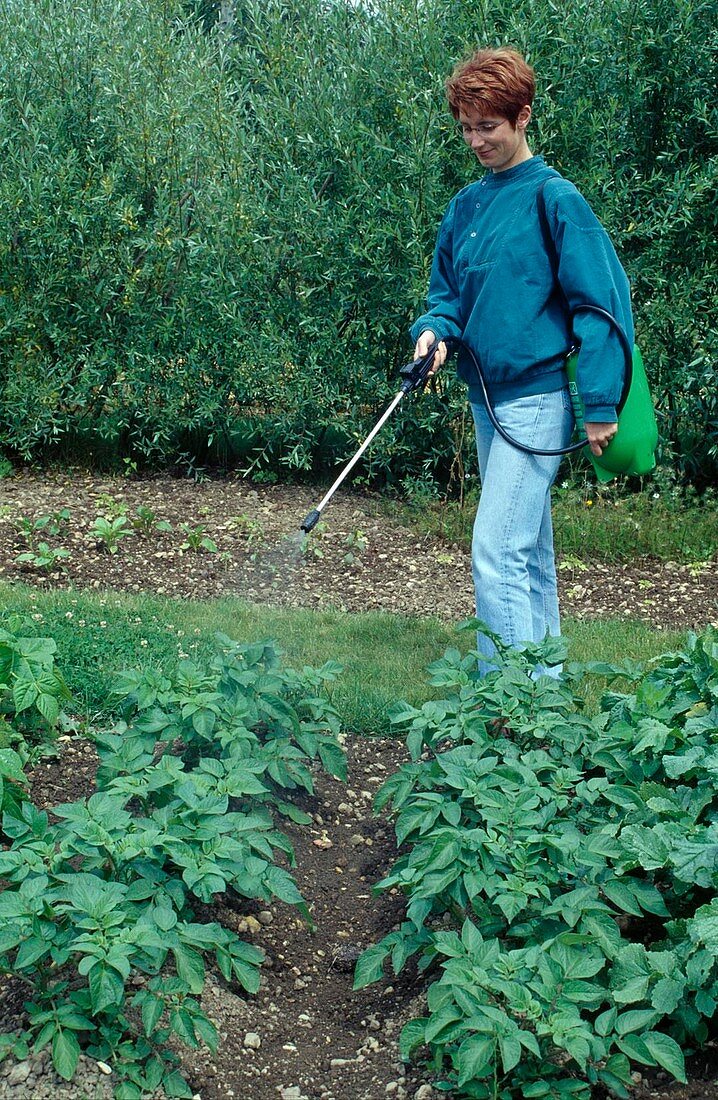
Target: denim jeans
513,562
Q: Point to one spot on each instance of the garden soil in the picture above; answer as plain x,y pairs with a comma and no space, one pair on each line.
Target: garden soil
306,1035
358,559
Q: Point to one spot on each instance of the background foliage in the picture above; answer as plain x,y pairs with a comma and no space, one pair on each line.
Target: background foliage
216,219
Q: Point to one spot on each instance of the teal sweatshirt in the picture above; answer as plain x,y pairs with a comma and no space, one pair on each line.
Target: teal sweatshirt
492,285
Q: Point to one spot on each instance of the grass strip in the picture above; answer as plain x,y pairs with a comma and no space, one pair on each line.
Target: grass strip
384,656
593,522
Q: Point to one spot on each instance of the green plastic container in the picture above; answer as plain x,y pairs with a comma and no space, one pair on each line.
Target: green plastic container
632,449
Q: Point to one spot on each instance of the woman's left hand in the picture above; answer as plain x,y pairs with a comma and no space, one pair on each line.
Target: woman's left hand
599,436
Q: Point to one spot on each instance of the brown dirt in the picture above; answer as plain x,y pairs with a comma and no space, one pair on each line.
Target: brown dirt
318,1040
358,559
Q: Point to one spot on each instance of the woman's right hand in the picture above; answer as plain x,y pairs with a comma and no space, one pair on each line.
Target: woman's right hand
424,344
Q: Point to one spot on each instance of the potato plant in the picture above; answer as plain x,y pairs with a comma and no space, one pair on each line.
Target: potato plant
97,915
32,692
559,872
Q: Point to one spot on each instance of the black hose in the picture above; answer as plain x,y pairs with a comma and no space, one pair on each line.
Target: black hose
455,341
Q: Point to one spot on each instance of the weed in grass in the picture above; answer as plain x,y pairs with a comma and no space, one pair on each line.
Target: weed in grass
111,506
144,520
250,530
49,525
310,546
571,562
357,543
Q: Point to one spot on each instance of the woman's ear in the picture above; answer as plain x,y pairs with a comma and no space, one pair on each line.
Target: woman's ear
524,117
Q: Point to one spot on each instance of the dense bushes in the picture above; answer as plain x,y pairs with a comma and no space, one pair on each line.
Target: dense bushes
215,225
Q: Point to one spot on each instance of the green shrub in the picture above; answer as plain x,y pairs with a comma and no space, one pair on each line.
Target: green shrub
214,232
559,872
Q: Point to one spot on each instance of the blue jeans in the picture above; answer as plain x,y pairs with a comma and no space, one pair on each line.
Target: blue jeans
513,562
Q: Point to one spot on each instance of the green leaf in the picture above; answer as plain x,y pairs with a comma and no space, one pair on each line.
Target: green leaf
190,967
703,927
634,990
605,1022
31,951
667,1053
510,1049
164,917
11,766
623,897
247,974
370,965
49,707
175,1085
635,1020
474,1059
294,813
181,1023
152,1010
667,995
334,759
65,1053
106,987
283,886
636,1049
206,1031
412,1036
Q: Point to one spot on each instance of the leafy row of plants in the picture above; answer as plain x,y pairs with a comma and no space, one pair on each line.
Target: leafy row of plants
32,695
109,530
98,906
45,552
560,869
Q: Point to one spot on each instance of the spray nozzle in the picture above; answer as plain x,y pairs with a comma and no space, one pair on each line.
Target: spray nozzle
311,520
416,373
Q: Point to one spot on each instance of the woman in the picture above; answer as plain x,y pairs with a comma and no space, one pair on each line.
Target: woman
492,285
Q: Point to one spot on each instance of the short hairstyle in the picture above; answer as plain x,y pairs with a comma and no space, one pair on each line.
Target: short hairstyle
492,82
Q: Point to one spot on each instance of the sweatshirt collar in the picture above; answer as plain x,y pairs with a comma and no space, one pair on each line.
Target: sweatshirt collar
522,171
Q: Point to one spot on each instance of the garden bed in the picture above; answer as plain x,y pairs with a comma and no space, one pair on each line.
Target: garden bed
357,560
306,1034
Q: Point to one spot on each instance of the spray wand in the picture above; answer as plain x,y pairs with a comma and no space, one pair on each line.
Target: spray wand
415,377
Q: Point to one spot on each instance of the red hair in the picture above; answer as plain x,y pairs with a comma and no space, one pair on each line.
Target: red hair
491,82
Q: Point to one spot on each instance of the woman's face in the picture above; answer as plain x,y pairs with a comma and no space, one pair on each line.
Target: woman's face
496,143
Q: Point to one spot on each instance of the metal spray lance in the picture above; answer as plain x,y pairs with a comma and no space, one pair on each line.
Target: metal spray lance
415,375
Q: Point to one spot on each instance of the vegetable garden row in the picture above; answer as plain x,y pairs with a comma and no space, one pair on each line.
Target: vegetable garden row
558,866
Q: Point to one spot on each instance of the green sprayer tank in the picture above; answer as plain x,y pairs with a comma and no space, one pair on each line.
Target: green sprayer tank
632,449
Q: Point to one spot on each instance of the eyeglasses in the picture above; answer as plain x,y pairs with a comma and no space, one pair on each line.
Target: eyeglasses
484,129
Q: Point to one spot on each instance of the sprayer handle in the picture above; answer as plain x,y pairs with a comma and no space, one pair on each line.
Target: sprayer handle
416,374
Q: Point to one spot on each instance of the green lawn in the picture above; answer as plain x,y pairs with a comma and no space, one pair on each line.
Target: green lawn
384,656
